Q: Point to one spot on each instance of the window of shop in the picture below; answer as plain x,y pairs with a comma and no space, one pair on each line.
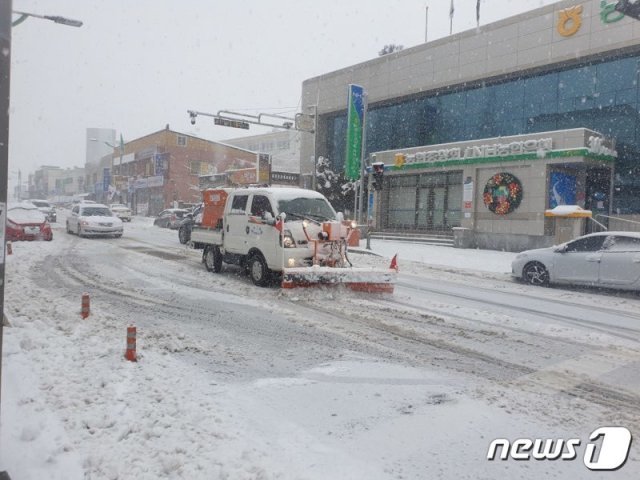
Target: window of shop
182,141
194,167
430,201
401,202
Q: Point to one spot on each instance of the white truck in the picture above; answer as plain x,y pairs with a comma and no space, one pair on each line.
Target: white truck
288,233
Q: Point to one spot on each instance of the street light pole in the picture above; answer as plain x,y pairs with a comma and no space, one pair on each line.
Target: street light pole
314,179
5,81
70,22
120,147
5,76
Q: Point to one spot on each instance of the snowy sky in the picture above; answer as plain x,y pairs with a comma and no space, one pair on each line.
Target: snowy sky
136,66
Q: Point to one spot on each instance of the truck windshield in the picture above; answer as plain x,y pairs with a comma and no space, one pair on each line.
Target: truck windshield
316,208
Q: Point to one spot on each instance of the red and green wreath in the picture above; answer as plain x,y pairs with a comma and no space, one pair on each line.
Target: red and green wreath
502,193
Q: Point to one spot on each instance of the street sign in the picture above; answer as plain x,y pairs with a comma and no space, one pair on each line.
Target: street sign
225,122
305,123
106,179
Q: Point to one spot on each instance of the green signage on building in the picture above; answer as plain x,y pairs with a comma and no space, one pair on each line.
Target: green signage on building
355,121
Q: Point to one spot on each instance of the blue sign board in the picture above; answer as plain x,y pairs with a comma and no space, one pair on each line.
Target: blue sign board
106,179
562,189
161,161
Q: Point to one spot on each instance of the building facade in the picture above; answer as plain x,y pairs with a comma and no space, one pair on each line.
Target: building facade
51,182
496,189
570,65
282,145
162,169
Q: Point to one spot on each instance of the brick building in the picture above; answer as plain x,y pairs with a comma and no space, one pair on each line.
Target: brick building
154,171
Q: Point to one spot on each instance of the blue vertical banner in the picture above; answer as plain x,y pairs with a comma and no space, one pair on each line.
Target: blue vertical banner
355,122
160,163
106,179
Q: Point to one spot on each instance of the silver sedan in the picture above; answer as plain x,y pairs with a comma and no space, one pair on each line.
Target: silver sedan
606,259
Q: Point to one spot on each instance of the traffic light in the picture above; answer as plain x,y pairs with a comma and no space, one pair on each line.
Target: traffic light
378,174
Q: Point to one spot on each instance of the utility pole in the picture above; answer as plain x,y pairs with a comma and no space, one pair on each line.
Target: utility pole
5,76
360,212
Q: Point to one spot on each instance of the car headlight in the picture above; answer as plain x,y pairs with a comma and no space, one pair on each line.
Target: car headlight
287,240
84,223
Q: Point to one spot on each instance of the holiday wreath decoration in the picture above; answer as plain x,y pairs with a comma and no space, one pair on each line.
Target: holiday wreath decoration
502,193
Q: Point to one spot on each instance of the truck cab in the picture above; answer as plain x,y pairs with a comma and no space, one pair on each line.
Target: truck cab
263,229
254,224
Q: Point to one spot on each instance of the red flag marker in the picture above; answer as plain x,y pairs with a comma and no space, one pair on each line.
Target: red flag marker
394,263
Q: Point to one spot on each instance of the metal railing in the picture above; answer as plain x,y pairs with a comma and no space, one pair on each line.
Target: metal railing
618,219
594,226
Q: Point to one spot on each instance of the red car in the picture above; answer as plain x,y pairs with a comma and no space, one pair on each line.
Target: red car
26,222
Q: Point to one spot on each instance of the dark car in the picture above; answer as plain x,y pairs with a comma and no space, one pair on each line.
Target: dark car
170,218
46,208
184,230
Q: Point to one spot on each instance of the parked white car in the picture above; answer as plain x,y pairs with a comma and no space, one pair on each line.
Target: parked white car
606,259
121,211
93,219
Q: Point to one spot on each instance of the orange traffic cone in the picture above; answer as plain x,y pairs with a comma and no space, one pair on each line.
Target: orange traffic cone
130,354
394,263
85,310
9,248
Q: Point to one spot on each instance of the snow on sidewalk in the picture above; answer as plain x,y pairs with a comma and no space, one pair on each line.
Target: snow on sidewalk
490,261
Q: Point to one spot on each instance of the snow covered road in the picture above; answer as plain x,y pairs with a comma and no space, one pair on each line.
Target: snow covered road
235,381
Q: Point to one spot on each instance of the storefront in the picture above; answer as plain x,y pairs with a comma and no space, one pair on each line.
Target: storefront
148,197
497,189
523,75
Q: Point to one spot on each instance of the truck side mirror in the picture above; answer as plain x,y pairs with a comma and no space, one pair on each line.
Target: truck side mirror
268,218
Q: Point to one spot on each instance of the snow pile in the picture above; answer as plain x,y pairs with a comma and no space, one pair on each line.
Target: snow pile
239,382
567,210
25,216
437,256
74,407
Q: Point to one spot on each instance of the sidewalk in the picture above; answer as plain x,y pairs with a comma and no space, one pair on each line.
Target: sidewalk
435,255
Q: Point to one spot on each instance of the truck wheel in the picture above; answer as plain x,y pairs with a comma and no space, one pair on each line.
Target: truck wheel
258,270
213,259
183,235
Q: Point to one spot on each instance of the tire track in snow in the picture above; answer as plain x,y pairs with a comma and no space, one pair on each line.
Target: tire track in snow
510,375
626,333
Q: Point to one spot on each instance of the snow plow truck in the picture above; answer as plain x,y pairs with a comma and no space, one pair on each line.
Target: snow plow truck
290,234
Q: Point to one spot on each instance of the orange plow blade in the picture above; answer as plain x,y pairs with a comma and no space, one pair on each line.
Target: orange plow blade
370,280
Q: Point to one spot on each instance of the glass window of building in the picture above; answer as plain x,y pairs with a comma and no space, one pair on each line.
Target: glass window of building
602,96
